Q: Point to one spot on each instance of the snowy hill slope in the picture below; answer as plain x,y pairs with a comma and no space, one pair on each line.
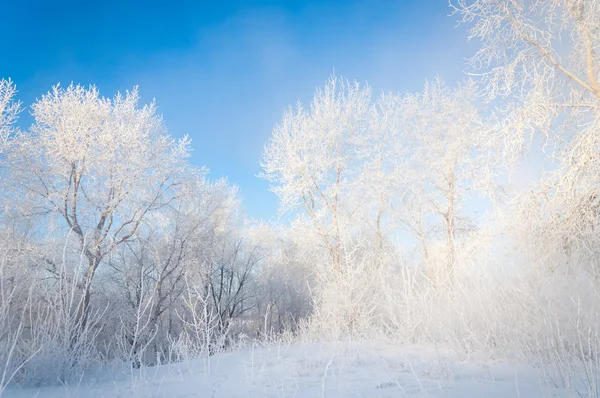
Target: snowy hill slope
367,369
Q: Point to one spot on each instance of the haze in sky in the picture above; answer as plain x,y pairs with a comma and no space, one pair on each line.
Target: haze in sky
223,72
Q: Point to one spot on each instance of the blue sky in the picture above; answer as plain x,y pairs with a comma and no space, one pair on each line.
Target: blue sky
223,72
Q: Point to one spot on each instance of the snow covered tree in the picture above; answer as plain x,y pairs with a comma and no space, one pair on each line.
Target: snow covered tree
98,166
312,154
174,251
9,110
542,55
382,157
359,166
447,165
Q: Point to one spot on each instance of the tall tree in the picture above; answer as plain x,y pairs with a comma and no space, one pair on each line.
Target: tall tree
312,154
543,56
101,166
447,165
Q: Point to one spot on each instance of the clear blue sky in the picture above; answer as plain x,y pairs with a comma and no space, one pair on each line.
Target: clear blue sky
224,71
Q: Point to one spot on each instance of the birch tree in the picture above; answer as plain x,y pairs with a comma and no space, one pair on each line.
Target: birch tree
99,166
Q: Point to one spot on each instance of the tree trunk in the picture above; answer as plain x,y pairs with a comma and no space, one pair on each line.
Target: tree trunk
83,308
450,228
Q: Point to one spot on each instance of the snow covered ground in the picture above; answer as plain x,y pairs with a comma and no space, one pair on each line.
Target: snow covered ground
366,369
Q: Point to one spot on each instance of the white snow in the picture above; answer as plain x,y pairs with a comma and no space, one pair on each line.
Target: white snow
351,369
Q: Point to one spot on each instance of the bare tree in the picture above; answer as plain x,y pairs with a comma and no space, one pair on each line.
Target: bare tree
313,152
9,110
382,155
170,254
358,165
101,166
285,278
543,56
447,166
537,50
230,281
